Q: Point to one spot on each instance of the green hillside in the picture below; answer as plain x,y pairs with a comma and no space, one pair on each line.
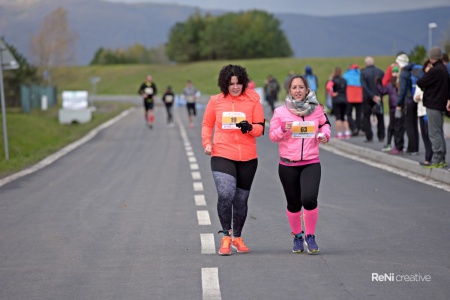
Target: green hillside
33,136
125,79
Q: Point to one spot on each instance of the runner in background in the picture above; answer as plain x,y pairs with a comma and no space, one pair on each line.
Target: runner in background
148,90
190,94
168,99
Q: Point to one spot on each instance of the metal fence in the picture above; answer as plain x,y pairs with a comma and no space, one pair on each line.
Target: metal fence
35,96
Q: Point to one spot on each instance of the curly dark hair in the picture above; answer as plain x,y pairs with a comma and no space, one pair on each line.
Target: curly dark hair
225,77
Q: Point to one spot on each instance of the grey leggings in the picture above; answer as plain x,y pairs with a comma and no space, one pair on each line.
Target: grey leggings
233,182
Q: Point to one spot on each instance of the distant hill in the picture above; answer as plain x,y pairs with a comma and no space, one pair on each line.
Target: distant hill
113,25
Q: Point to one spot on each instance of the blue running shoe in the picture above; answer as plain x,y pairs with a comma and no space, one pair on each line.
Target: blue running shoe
298,243
311,245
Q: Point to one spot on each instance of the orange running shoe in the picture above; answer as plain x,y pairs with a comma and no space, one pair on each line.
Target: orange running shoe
239,245
225,246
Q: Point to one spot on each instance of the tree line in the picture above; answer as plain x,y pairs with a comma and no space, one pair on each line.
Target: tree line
250,34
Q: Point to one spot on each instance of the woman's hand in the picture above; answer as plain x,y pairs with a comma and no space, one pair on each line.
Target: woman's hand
322,138
286,126
208,149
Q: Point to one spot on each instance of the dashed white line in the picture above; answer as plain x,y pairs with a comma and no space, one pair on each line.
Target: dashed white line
194,166
203,217
196,176
192,159
208,244
210,284
200,200
189,153
198,186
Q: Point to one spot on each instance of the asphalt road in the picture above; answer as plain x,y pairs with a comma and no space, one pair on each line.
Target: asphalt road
118,218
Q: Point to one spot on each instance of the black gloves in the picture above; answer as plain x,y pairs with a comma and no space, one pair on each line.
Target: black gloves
244,126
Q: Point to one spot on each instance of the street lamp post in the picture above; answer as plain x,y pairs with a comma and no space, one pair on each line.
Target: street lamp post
431,26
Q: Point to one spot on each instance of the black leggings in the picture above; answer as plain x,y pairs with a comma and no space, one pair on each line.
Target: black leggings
233,182
301,185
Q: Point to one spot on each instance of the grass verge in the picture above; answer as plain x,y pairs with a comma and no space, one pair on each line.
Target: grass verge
32,137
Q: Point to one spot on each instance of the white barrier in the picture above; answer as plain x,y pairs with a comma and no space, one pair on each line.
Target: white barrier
75,108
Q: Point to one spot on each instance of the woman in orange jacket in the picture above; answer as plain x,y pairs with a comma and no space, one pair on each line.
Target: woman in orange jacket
236,117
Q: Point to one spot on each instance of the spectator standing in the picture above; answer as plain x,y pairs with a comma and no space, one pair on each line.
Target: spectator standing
337,88
371,97
313,81
423,123
354,98
407,106
272,89
435,84
392,91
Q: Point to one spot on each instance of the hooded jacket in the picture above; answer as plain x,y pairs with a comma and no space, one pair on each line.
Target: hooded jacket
302,150
232,143
354,89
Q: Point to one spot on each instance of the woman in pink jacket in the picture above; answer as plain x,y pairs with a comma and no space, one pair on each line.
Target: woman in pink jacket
299,126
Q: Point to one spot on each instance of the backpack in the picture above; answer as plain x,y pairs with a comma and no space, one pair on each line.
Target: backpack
416,73
311,82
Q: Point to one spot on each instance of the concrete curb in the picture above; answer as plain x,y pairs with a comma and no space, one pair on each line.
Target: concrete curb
441,175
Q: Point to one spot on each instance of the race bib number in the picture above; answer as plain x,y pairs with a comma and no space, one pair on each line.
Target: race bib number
190,99
148,90
303,129
229,119
169,98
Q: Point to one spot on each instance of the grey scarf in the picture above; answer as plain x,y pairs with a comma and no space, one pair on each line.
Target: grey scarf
302,107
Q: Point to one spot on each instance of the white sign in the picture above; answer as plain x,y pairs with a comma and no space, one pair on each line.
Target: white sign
75,99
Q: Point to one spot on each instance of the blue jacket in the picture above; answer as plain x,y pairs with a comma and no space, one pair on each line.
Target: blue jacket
404,93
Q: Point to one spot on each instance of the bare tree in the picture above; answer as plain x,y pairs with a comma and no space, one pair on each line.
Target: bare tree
54,44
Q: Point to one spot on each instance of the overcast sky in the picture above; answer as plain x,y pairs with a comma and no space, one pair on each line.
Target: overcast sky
309,7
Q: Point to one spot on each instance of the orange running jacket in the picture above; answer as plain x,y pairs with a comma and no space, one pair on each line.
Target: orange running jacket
229,142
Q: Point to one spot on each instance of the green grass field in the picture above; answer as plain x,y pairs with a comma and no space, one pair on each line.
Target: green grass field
125,79
31,137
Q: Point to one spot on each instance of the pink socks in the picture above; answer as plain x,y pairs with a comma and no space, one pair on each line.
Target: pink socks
295,220
310,218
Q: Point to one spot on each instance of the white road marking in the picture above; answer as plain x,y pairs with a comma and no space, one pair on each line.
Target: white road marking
210,284
194,166
189,148
208,244
198,186
196,176
200,200
203,217
189,153
192,159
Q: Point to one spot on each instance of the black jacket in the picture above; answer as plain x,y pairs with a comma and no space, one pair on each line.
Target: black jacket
368,77
436,87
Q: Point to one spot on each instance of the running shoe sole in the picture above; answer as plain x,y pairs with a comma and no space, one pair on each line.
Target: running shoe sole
310,251
235,248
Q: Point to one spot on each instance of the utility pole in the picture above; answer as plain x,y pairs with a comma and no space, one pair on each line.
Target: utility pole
7,62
